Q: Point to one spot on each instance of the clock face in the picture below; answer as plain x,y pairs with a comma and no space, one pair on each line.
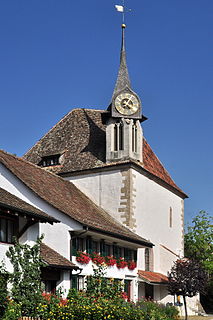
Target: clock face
126,103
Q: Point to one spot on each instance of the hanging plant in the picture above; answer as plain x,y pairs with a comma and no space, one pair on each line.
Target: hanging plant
131,265
97,259
121,263
110,261
82,257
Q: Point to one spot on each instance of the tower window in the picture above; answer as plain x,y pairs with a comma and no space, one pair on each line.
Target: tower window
118,136
134,137
49,161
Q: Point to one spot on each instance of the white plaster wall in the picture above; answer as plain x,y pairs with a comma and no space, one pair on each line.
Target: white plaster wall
64,284
103,188
152,204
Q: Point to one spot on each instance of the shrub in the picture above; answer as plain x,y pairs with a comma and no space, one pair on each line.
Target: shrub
3,290
13,311
25,279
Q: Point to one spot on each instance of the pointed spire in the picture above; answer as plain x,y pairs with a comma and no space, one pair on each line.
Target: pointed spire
123,75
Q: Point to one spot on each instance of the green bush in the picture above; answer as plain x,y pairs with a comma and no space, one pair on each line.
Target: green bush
156,311
81,306
13,311
3,290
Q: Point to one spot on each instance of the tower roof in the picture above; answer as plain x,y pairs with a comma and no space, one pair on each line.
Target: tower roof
123,80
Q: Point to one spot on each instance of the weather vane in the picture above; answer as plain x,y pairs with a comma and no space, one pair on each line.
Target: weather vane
123,9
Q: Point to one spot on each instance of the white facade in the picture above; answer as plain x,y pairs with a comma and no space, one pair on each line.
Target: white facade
157,211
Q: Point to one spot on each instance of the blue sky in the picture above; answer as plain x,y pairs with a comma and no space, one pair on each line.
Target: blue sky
59,54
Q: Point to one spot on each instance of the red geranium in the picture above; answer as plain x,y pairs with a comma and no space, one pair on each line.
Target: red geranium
97,259
110,261
121,263
82,257
131,265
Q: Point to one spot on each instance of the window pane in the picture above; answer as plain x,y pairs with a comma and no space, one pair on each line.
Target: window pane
80,244
102,248
74,247
89,245
147,260
3,231
107,250
10,233
94,246
80,282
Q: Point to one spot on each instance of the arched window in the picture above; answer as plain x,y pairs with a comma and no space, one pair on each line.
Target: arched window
147,259
134,137
170,217
118,136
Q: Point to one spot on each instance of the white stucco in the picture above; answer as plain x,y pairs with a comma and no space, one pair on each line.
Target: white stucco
152,204
103,188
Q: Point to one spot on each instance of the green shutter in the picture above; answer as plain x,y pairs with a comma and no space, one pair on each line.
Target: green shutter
74,246
74,282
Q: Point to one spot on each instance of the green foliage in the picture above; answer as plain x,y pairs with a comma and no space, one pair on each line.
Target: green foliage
98,285
25,279
13,311
81,306
199,246
155,311
3,290
199,241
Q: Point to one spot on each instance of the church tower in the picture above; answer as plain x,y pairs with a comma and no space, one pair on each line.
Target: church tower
124,134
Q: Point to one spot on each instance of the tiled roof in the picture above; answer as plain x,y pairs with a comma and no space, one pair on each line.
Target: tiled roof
80,138
54,259
67,198
152,277
9,201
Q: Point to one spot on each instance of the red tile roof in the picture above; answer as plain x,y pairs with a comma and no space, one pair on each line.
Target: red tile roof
152,277
80,138
67,198
54,259
9,201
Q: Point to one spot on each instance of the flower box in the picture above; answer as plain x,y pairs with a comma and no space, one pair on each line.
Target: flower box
82,257
97,259
121,263
110,261
131,265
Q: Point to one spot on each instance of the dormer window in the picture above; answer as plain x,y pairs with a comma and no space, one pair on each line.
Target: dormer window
50,161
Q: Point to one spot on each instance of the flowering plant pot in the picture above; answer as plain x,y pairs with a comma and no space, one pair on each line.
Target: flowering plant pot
131,265
110,261
97,259
121,263
82,257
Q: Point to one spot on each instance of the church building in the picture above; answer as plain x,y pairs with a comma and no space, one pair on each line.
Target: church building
93,186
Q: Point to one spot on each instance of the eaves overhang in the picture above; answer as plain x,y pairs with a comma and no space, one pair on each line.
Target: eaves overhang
142,243
31,214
